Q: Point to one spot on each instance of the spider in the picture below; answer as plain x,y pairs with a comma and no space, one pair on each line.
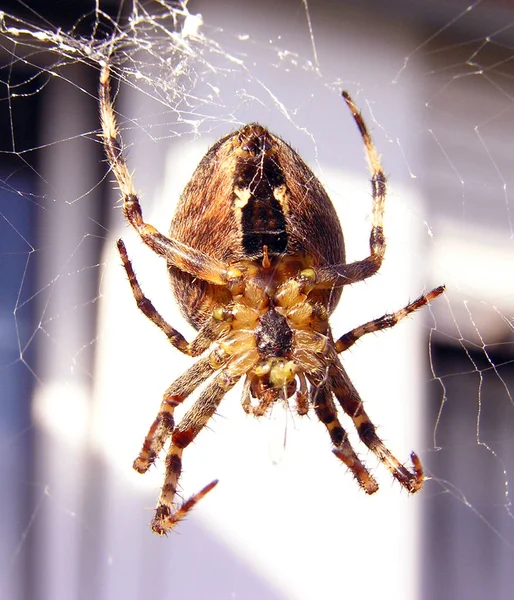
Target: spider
256,259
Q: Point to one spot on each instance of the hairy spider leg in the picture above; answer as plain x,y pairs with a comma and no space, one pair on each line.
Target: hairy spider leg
211,331
327,413
166,515
163,425
388,320
161,526
339,275
351,403
177,254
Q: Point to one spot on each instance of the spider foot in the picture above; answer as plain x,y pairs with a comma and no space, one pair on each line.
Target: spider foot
413,481
142,465
166,518
361,474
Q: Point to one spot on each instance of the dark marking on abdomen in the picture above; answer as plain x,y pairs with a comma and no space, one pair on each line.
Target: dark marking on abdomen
263,221
263,224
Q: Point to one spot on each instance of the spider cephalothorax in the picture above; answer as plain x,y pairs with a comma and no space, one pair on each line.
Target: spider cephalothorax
281,335
256,259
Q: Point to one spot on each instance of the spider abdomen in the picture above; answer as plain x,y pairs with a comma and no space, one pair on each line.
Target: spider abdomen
250,191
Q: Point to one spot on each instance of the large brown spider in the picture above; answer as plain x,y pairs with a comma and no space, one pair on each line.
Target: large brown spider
257,263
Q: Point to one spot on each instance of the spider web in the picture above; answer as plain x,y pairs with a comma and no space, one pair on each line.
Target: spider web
82,372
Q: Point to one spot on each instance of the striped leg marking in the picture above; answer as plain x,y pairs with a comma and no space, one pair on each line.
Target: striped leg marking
351,403
327,414
166,514
162,428
389,320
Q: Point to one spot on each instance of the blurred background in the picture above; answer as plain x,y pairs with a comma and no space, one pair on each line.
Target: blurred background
82,371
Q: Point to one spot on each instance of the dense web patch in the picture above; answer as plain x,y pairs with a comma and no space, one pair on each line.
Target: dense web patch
81,373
